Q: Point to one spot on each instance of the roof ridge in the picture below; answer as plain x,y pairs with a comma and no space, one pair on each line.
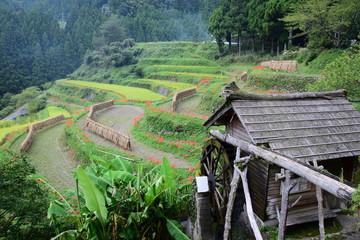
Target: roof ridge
233,92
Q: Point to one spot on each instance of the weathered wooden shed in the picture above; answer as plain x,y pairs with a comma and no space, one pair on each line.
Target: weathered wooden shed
310,128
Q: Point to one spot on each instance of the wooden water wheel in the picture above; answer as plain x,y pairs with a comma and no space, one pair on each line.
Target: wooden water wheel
218,167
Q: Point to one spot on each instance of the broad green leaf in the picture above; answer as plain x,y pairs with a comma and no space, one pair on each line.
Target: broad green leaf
122,165
169,176
95,200
174,228
56,208
99,160
123,176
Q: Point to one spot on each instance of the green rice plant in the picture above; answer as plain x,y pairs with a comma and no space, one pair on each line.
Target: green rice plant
55,111
177,86
177,61
189,69
192,78
127,93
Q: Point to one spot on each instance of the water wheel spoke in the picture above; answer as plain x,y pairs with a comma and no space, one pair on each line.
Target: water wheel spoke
215,163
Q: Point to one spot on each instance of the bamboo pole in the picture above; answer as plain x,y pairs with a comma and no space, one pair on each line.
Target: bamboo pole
328,184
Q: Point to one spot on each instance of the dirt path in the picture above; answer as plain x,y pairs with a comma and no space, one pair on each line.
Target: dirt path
120,118
50,159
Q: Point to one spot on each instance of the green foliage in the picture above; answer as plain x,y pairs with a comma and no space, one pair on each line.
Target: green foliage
23,204
342,73
326,23
36,105
123,204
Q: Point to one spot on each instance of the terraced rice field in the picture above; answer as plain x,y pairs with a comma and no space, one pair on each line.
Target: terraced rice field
51,159
120,118
56,111
177,86
128,93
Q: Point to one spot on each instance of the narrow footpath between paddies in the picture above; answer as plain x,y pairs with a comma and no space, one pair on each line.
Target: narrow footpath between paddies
120,118
49,157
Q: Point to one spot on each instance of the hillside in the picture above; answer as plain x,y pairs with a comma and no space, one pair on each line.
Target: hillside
142,79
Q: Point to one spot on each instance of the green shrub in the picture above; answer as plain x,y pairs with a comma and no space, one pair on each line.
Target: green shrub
342,73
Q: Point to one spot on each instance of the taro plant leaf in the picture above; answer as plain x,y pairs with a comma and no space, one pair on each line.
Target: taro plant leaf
123,176
99,160
95,200
122,165
56,208
168,173
174,228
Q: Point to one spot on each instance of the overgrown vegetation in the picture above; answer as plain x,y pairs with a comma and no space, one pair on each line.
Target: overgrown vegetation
23,203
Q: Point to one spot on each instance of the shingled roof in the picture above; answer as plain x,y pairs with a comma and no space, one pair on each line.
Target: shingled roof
304,126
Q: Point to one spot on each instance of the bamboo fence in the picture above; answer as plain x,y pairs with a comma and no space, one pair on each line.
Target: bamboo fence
181,95
281,65
104,131
25,145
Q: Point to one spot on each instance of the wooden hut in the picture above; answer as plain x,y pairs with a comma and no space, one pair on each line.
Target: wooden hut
309,128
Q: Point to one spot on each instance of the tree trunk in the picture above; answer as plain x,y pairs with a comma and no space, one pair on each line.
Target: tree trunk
336,188
262,45
290,37
228,38
277,48
272,46
253,44
239,44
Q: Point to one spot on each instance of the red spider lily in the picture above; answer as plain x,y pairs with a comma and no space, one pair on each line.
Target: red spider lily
191,169
40,180
173,165
6,147
101,147
219,86
190,178
160,139
205,81
82,100
148,135
258,67
137,119
148,103
229,80
185,155
163,98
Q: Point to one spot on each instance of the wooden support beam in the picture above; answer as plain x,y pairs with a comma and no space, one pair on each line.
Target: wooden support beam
328,184
249,209
282,215
320,208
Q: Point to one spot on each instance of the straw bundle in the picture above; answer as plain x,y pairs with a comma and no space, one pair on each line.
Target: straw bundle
243,77
108,133
25,145
181,95
281,65
99,106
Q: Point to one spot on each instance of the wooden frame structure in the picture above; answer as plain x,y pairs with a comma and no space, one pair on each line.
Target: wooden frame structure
290,135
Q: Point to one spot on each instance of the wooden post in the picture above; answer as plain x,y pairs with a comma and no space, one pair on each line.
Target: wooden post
320,208
282,215
232,195
249,208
